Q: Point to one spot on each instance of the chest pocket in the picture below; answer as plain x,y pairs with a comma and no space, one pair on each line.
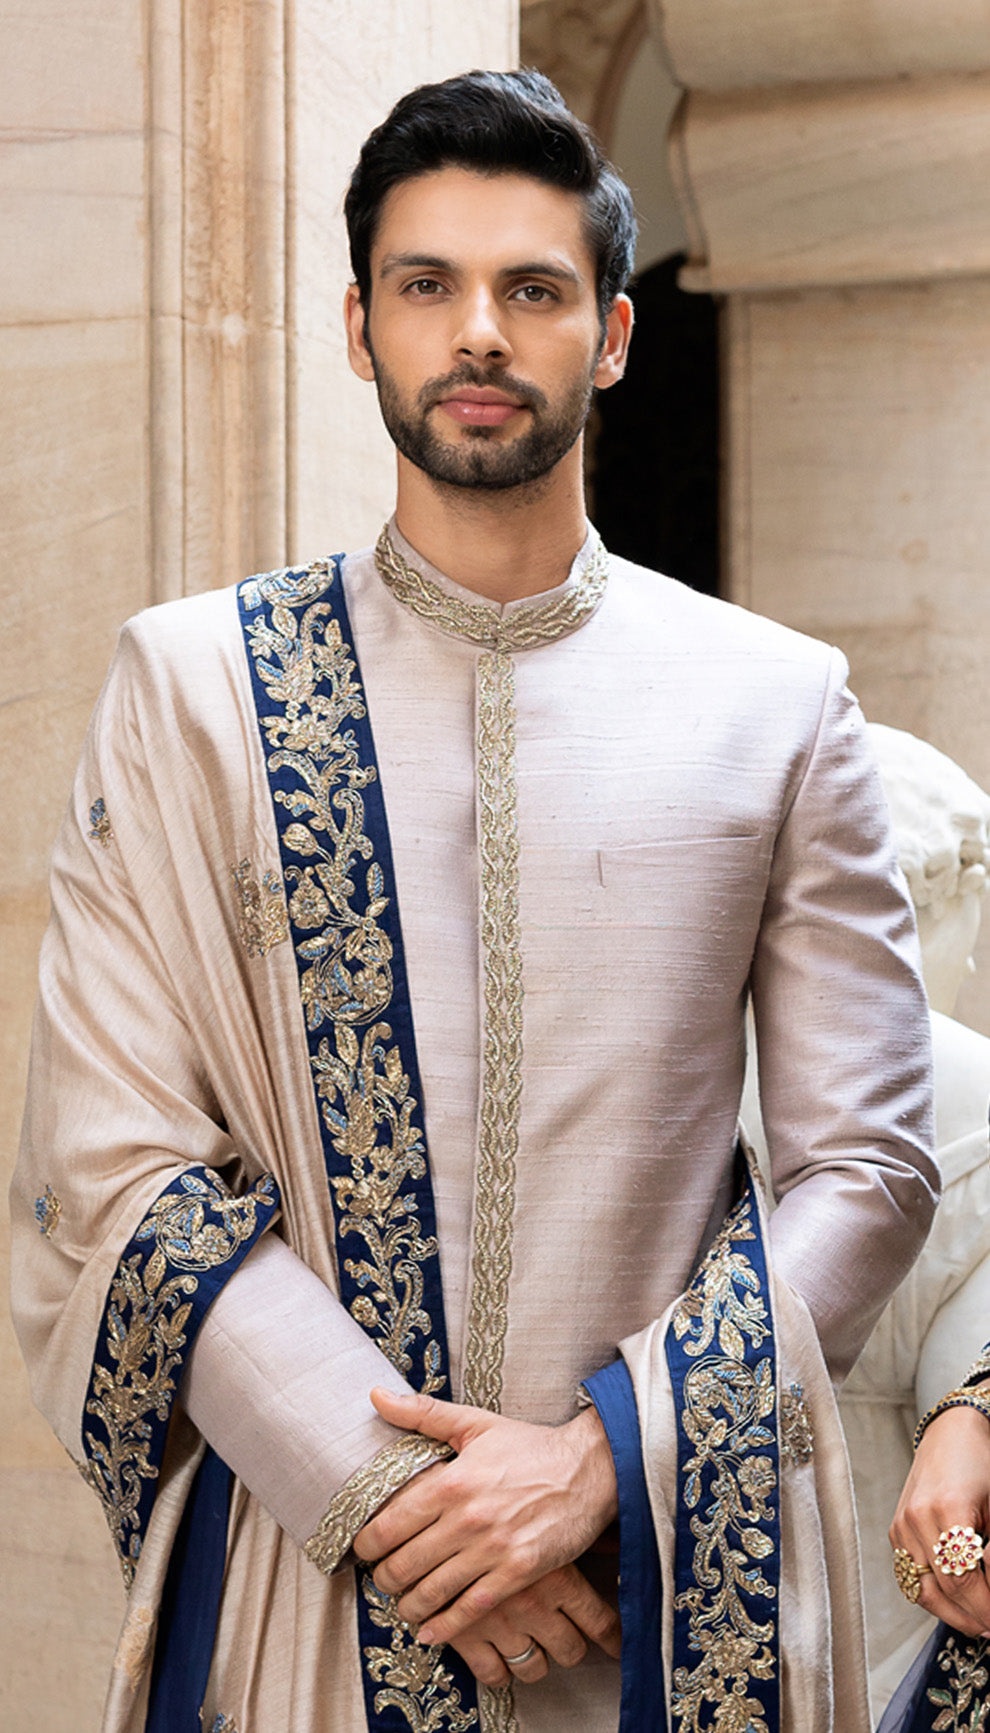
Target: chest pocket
713,885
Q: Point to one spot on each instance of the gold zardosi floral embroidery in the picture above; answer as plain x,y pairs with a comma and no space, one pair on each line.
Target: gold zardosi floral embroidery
101,830
47,1210
414,1679
262,921
963,1703
728,1414
191,1228
797,1437
345,959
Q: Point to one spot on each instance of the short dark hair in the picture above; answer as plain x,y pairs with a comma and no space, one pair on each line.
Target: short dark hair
494,123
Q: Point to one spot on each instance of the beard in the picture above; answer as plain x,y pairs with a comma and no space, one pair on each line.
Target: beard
479,459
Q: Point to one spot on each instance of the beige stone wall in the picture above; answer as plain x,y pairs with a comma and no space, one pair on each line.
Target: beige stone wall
175,411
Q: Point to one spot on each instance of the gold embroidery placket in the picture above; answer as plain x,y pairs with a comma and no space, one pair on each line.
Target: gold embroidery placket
498,636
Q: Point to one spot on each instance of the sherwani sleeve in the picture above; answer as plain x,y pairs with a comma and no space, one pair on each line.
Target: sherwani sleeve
132,1205
843,1041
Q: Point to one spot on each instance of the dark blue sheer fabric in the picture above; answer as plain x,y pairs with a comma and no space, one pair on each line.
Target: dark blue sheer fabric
643,1708
187,1619
948,1687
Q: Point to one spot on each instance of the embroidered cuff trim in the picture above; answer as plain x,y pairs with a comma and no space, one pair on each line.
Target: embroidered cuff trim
365,1493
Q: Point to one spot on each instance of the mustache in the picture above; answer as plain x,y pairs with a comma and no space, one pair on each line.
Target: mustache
435,390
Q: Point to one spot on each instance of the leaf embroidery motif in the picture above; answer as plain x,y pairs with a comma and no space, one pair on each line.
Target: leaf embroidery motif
336,900
729,1481
194,1226
964,1705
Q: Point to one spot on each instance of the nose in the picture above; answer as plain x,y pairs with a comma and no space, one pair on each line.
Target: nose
481,330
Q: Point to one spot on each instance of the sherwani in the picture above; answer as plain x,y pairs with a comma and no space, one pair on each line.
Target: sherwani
613,820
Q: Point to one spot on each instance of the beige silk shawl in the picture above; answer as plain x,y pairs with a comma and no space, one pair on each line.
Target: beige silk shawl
696,814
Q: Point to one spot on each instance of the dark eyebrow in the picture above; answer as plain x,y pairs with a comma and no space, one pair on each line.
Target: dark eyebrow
543,268
393,263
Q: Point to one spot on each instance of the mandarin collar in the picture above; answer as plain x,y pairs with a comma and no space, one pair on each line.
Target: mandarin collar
524,624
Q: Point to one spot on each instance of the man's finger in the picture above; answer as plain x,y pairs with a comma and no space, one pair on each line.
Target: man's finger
419,1559
476,1601
450,1422
408,1513
585,1608
485,1662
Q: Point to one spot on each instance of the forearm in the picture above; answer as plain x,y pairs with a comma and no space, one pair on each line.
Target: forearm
844,1045
278,1384
843,1239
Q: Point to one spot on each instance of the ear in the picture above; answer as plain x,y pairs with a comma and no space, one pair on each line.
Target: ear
615,348
358,353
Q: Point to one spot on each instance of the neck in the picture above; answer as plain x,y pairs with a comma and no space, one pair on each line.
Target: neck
503,545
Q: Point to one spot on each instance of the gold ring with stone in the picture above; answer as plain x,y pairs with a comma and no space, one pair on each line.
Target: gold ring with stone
908,1574
958,1549
520,1660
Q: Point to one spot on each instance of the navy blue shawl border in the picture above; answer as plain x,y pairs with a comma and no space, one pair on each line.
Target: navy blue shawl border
721,1358
297,590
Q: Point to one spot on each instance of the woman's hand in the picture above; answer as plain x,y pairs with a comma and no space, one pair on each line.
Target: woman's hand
949,1484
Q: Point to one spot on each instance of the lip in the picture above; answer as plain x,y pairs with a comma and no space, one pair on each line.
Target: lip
479,406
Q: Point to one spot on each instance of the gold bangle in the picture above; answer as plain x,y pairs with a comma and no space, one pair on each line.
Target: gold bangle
978,1399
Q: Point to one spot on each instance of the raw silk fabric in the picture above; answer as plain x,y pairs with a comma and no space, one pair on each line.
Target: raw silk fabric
697,817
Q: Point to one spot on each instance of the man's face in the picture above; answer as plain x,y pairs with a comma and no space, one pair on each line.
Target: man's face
483,335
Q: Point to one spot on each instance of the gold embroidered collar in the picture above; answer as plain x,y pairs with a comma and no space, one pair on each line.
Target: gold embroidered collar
520,626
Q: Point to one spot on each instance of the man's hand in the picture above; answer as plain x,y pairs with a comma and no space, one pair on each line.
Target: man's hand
560,1613
517,1502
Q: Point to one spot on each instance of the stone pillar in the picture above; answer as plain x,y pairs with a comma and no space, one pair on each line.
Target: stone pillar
176,412
834,165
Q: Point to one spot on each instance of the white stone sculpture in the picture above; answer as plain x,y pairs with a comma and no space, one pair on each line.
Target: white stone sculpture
940,1316
942,823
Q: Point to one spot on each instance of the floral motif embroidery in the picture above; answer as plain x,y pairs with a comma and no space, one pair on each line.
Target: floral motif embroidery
47,1210
797,1437
191,1229
136,1645
345,956
963,1705
101,829
729,1482
221,1723
416,1681
261,918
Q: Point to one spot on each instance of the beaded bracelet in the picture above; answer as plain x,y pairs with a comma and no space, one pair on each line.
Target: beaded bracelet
979,1399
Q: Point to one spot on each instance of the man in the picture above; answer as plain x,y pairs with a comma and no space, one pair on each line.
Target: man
501,1131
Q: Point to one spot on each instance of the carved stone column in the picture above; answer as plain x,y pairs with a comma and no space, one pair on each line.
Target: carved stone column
834,163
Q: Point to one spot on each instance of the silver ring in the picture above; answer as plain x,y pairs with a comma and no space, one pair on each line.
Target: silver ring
519,1660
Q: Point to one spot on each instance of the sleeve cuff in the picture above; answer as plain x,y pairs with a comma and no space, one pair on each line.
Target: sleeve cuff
365,1493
